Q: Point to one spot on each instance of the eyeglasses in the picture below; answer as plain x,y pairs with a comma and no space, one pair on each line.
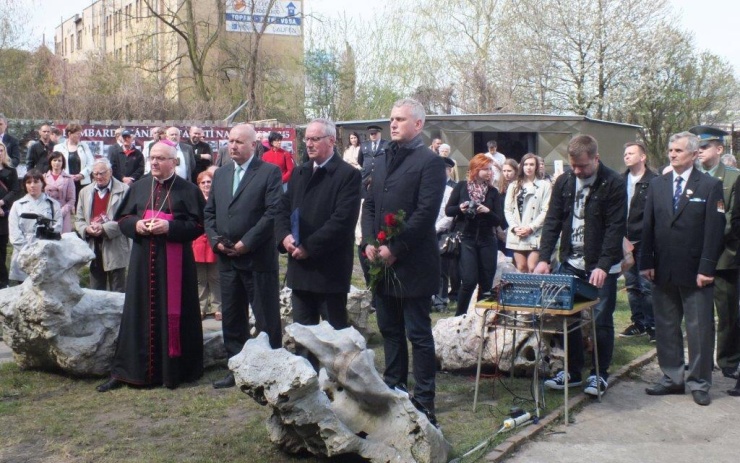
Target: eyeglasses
159,158
314,139
205,181
98,174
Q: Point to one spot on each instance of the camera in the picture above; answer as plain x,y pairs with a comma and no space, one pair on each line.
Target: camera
44,228
472,209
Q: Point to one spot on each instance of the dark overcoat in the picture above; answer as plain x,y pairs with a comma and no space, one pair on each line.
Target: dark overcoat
408,177
328,203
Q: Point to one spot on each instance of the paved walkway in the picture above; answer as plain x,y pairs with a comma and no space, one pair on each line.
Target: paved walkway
630,426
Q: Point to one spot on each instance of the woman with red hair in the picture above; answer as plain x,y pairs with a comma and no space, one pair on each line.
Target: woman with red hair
476,207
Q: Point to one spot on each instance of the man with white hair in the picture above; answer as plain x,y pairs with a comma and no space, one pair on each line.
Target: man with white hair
96,207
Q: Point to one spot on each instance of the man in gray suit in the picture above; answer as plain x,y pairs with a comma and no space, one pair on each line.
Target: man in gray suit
682,235
239,222
185,154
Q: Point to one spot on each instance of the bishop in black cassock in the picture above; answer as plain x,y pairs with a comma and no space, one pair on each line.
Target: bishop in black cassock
161,339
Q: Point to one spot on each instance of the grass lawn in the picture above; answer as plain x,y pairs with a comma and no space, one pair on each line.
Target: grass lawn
46,417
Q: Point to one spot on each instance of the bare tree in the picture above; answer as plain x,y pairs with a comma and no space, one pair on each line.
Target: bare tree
579,53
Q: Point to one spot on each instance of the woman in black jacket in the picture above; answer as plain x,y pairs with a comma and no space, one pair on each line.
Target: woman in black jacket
9,192
476,208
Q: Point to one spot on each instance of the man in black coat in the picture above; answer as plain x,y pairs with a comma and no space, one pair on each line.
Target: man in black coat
587,212
409,178
639,289
240,224
10,142
321,205
681,243
201,151
39,151
127,163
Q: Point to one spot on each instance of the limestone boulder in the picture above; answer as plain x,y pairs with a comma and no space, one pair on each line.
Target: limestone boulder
457,340
50,322
359,307
344,409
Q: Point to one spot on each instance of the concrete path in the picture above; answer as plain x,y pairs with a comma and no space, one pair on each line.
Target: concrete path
630,426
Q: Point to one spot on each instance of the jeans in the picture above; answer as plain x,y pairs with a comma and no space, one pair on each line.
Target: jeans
640,295
478,258
604,313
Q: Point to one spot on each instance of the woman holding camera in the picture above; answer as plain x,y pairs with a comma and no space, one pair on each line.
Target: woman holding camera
525,209
22,230
476,208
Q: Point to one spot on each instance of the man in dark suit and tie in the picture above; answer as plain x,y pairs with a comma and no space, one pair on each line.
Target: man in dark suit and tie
239,220
682,238
322,204
11,143
411,178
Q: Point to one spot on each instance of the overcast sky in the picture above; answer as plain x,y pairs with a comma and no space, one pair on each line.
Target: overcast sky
711,21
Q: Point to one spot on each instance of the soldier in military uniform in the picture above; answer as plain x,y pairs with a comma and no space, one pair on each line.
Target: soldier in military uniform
726,295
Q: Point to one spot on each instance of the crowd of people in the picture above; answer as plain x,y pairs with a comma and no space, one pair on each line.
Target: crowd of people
582,222
204,231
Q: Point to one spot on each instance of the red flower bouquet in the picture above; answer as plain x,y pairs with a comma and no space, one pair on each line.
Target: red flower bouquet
380,271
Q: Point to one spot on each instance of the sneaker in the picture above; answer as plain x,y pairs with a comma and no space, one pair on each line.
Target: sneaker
557,382
632,331
651,335
591,388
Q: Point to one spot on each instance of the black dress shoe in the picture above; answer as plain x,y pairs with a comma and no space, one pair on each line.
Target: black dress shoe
225,383
729,372
701,397
109,385
660,389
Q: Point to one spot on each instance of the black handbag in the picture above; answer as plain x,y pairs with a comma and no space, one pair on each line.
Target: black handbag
449,244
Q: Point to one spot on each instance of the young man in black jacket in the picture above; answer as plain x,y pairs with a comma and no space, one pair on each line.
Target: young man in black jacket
639,289
587,211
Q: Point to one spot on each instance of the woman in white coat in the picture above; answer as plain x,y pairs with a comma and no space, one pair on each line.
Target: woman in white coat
22,231
77,156
525,208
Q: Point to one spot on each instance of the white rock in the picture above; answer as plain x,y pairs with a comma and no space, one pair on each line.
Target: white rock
457,340
346,409
51,323
359,306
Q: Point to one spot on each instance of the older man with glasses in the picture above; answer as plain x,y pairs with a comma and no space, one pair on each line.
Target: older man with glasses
94,222
160,341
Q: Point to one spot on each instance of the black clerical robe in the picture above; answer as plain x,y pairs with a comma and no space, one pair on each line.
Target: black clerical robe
156,344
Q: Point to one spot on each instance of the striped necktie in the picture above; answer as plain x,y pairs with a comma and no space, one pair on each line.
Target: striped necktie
677,193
